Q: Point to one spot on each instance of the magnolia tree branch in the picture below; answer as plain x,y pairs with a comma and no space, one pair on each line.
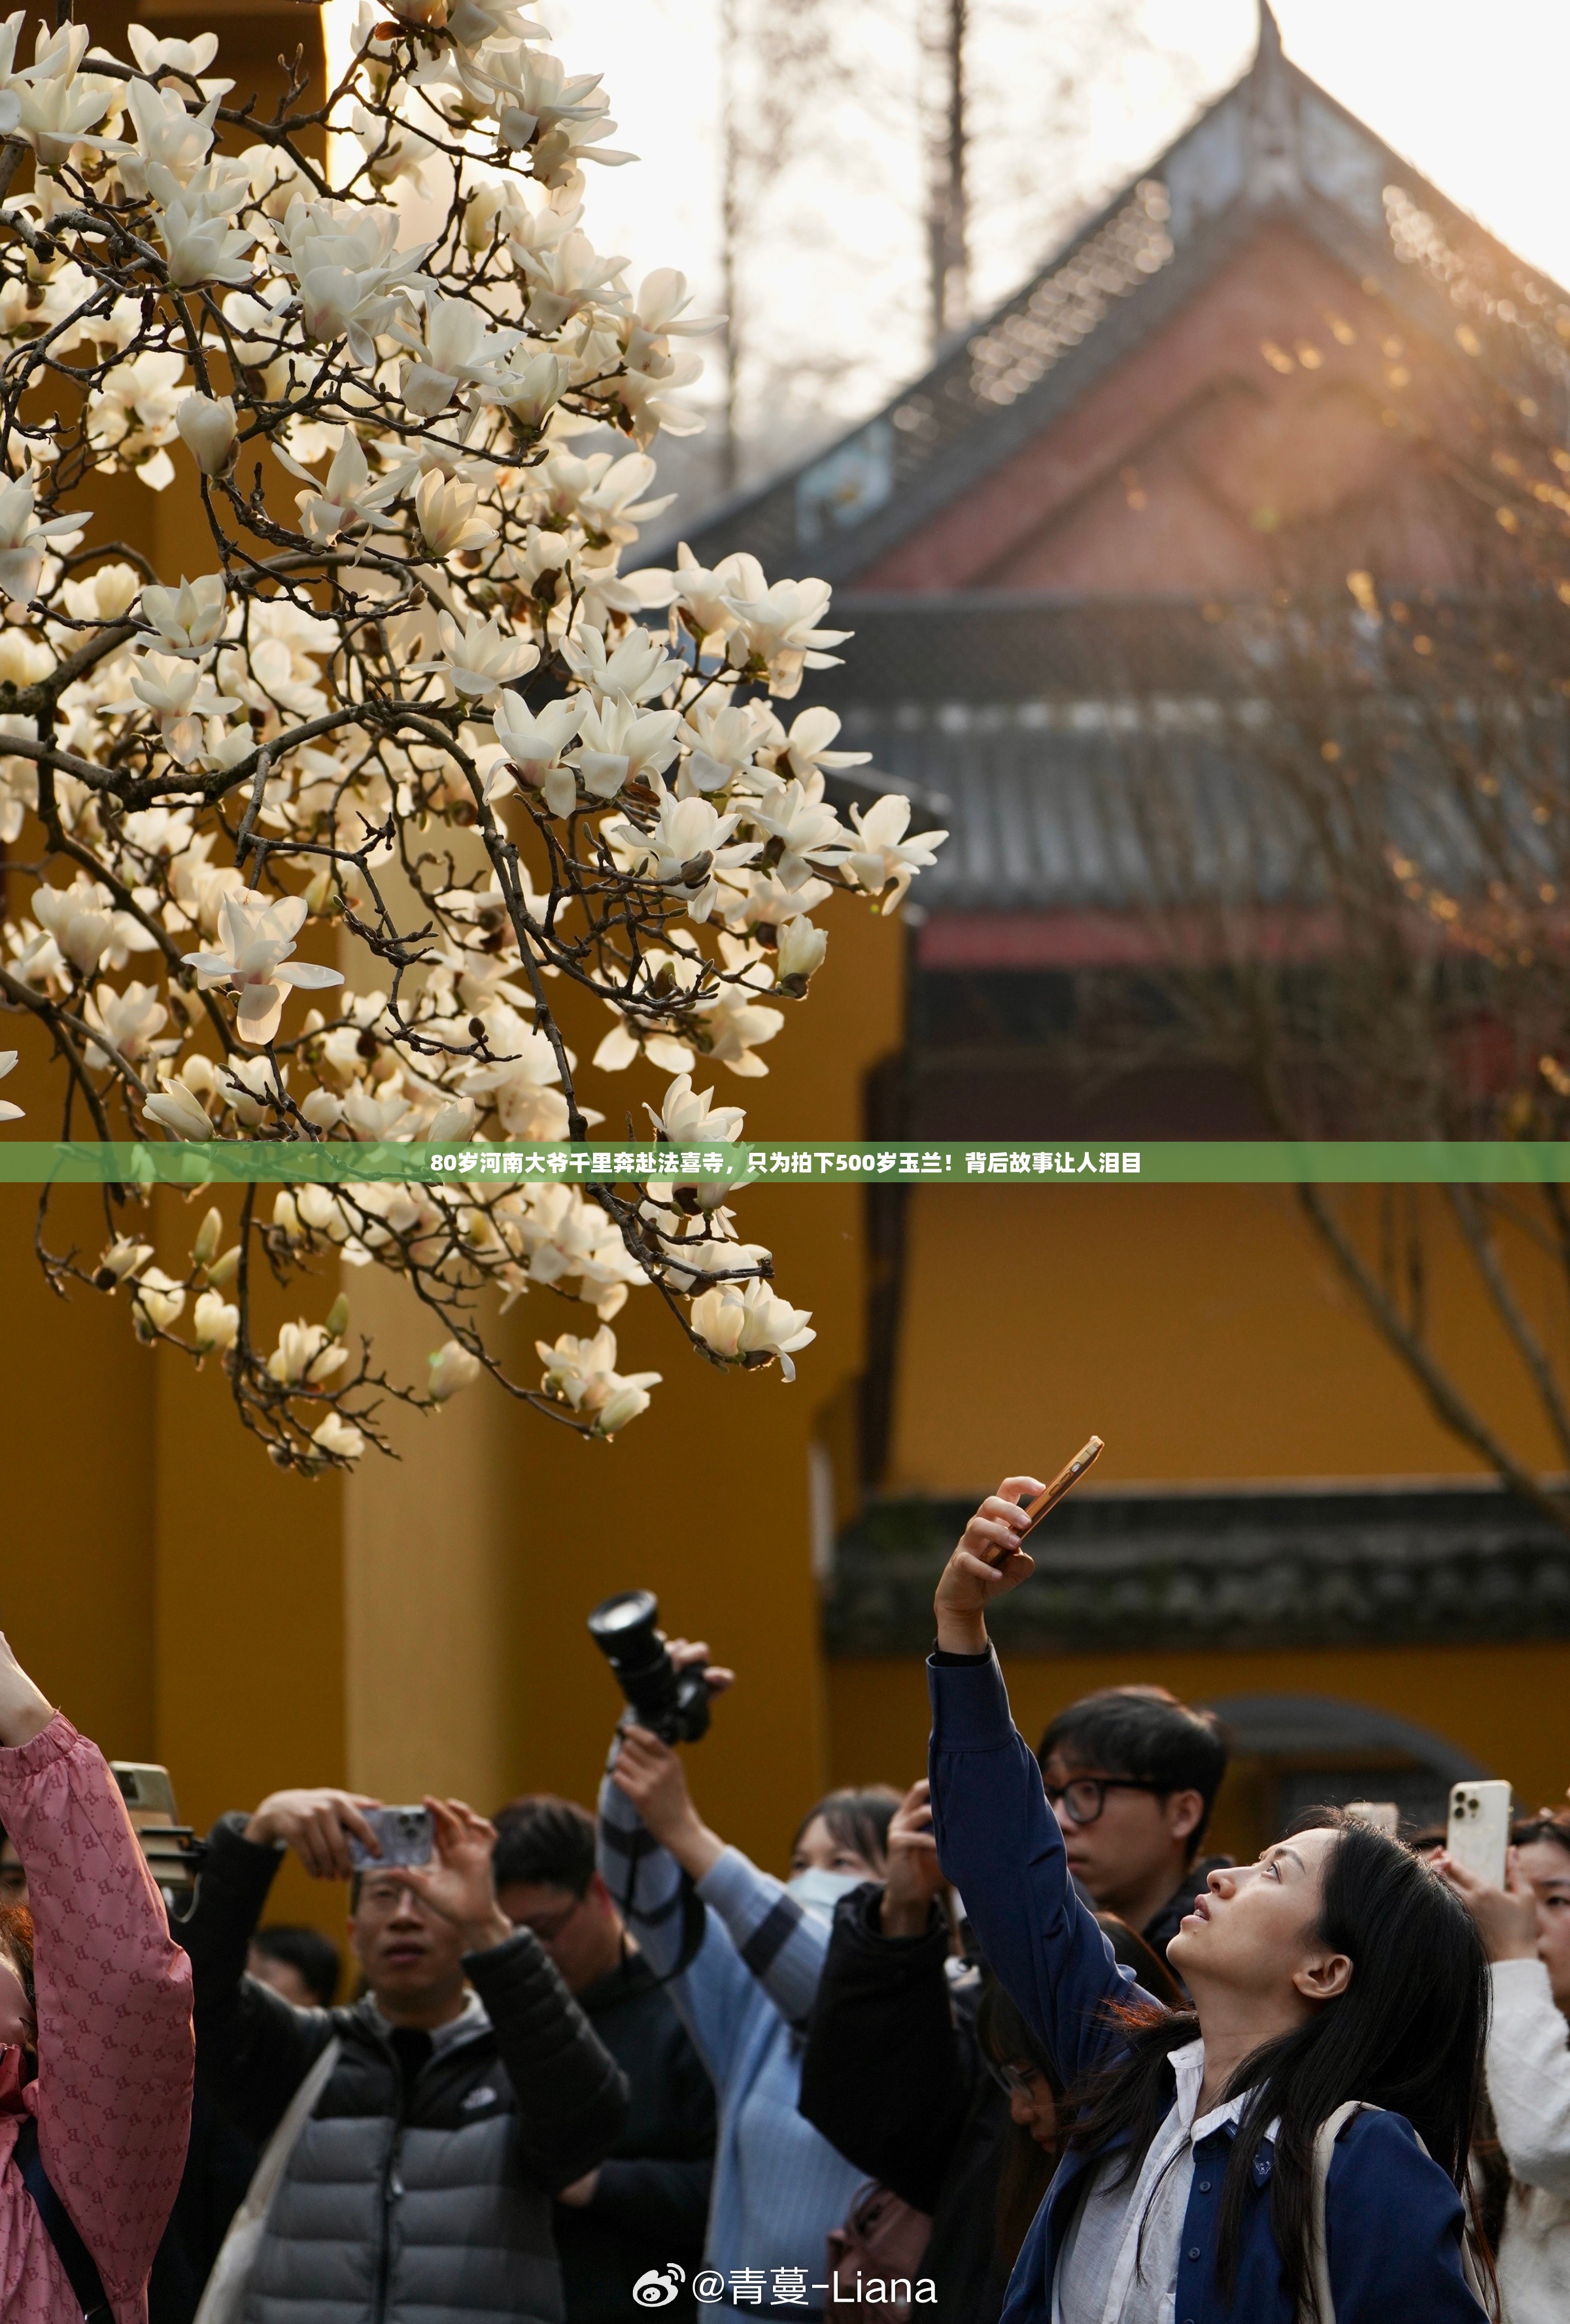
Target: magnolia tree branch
312,832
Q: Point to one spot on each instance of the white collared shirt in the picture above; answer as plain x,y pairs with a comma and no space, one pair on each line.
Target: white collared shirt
1119,2264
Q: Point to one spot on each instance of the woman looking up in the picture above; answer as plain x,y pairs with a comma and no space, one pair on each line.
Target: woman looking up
1337,1969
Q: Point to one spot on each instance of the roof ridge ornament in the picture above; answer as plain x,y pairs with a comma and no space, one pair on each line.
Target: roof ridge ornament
1275,163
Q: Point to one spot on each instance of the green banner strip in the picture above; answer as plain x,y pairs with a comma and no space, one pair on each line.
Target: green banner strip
219,1161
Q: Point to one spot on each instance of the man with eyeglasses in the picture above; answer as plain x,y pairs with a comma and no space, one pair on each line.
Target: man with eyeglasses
1131,1774
647,2203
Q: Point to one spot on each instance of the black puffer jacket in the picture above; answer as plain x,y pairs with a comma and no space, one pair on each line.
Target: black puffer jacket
422,2187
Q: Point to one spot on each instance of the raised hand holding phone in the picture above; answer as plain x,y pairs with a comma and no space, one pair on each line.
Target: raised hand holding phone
989,1560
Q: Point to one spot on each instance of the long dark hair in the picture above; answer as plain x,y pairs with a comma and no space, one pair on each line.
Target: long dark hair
1407,2035
1027,2168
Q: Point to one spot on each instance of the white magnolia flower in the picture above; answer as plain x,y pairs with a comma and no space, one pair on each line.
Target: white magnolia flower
50,104
191,58
637,668
582,1373
460,347
216,1323
802,947
254,961
351,273
107,595
8,1112
188,619
452,1366
685,846
449,515
160,1297
619,743
350,498
168,137
336,1437
123,1258
739,1319
883,857
807,748
808,833
481,657
306,1355
689,1118
192,222
535,740
207,427
776,627
24,538
131,1020
178,1110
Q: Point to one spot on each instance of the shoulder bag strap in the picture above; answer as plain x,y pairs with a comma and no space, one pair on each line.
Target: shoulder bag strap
1321,2306
222,2299
74,2256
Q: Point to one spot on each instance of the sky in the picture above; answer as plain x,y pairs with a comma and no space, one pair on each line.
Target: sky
1068,99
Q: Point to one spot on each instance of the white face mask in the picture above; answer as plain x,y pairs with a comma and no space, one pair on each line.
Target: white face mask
821,1892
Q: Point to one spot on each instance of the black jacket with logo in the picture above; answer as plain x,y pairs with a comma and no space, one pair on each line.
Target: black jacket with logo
422,2184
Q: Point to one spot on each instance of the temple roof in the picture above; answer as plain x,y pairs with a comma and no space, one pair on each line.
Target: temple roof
1275,147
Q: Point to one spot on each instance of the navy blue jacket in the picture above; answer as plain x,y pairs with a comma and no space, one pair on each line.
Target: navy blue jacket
1394,2219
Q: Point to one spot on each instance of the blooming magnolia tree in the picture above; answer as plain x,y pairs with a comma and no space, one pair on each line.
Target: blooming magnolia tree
307,835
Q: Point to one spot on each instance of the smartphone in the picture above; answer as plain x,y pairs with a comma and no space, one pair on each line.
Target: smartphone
1063,1483
405,1837
1383,1814
1479,1831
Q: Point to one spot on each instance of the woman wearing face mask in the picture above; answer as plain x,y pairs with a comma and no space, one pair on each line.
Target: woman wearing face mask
95,2048
1336,1970
748,1949
1525,1927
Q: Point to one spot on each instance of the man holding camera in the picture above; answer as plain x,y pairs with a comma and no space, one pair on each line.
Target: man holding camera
467,2088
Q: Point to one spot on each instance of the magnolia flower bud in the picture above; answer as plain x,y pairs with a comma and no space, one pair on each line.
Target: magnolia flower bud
454,1124
217,1321
205,1247
337,1317
802,950
452,1366
207,427
223,1270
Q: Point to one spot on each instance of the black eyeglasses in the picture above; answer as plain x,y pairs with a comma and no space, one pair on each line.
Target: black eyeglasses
1086,1796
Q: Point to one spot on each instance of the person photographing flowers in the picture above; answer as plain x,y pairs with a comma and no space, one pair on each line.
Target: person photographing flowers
743,1954
1295,2145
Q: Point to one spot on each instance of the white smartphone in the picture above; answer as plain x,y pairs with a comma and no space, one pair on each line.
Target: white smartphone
1479,1831
1383,1814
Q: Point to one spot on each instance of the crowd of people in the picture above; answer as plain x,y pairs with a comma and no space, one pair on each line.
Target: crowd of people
1006,2045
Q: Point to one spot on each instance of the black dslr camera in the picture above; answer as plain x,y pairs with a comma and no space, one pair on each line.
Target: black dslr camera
672,1704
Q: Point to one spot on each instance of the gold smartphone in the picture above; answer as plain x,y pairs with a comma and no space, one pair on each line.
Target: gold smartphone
1063,1483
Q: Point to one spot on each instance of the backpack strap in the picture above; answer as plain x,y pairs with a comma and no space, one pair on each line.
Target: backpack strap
60,2227
1321,2306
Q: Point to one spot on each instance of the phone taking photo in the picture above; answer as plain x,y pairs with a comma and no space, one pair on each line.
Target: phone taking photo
1479,1831
1047,1500
405,1836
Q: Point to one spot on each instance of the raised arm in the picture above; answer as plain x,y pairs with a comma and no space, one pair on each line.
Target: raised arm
114,2047
253,2048
997,1839
571,2094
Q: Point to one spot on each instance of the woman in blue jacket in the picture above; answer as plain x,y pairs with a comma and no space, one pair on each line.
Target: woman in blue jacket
1338,1968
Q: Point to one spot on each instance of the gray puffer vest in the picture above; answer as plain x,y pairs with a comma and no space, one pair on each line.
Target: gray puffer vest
420,2189
403,2205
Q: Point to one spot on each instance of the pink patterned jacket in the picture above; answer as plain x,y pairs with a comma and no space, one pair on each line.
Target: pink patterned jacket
114,2047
